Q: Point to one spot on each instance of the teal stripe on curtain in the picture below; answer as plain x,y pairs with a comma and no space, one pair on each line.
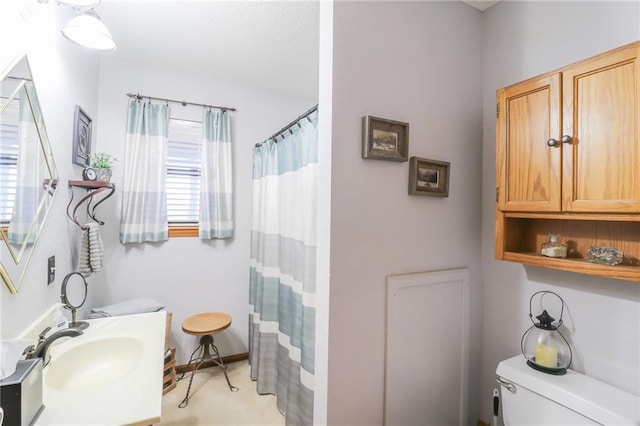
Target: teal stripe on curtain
282,276
144,199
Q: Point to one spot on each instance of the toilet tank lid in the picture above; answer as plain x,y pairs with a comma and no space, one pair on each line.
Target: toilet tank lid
597,400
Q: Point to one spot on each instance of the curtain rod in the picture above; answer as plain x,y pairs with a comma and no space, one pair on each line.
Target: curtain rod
290,125
139,97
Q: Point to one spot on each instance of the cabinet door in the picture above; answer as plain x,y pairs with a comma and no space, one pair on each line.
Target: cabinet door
527,165
600,97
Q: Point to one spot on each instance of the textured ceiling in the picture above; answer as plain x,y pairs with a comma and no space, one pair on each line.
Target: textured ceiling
270,44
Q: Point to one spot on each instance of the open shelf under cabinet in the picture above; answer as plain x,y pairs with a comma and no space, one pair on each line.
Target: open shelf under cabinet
522,238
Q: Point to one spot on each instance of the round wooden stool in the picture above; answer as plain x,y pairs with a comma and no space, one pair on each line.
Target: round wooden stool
205,325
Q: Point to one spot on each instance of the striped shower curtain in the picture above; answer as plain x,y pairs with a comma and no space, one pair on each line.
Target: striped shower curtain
283,269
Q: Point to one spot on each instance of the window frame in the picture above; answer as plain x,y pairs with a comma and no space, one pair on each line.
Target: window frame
188,229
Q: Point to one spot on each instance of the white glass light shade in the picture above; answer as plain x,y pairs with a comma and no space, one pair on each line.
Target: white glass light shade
87,30
80,3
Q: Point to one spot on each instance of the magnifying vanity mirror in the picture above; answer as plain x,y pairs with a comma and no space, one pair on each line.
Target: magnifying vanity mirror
73,295
28,176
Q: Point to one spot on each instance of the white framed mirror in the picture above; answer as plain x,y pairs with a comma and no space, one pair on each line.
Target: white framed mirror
28,176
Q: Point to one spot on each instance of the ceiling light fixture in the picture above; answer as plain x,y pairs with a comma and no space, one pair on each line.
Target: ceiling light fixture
85,4
86,29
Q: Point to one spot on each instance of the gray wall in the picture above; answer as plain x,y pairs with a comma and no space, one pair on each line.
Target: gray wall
521,40
418,62
65,75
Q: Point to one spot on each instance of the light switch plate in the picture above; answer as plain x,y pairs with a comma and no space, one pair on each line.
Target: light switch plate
51,270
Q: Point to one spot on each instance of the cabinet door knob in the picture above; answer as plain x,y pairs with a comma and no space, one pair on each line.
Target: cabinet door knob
552,142
566,139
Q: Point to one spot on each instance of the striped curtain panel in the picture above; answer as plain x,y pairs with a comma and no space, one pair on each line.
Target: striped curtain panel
144,199
30,190
216,190
283,270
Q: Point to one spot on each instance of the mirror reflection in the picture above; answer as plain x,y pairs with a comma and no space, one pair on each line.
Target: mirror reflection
28,177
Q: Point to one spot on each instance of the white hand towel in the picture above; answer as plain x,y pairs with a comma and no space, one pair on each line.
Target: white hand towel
95,247
84,267
91,250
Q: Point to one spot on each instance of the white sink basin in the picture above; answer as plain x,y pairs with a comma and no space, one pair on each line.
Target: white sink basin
94,363
92,379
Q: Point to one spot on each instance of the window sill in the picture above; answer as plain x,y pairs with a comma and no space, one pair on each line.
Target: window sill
183,231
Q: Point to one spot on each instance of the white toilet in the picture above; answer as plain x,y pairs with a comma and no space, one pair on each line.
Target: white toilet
530,397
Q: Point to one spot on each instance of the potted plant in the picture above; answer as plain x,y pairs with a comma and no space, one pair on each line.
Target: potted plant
103,165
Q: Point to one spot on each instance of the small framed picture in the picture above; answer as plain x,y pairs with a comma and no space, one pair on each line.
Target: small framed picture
81,137
428,177
384,139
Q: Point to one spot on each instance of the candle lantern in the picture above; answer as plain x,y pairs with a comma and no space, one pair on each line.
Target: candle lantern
544,347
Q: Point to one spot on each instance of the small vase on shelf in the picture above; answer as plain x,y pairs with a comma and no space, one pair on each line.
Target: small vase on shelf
104,175
103,164
554,248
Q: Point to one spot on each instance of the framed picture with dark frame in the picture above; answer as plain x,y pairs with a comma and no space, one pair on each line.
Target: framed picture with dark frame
428,177
384,139
81,137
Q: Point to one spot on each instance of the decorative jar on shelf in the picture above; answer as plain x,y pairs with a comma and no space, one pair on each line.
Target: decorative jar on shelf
553,247
103,175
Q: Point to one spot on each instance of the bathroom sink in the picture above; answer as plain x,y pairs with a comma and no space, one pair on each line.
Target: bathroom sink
91,379
93,363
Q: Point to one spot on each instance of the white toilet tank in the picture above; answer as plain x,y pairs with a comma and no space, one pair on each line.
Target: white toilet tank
537,398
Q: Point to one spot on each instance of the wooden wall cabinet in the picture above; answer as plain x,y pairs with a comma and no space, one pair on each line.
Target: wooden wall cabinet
568,161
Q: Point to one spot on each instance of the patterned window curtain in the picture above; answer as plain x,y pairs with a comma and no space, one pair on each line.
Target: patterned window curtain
283,270
216,190
29,180
144,198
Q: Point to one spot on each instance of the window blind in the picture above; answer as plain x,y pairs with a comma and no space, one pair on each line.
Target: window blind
183,172
8,169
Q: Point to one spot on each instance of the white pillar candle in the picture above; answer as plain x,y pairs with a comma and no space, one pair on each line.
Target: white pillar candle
546,356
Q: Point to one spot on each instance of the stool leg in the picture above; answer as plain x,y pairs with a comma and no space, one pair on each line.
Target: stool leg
198,360
221,365
191,360
204,354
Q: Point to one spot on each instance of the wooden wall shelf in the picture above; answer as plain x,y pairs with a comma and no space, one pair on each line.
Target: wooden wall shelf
620,272
90,184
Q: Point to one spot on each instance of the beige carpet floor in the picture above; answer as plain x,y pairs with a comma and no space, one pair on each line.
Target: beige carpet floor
212,403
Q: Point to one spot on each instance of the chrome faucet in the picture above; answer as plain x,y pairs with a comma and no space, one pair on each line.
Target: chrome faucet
42,347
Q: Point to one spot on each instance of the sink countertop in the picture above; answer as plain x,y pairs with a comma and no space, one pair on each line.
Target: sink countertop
134,399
